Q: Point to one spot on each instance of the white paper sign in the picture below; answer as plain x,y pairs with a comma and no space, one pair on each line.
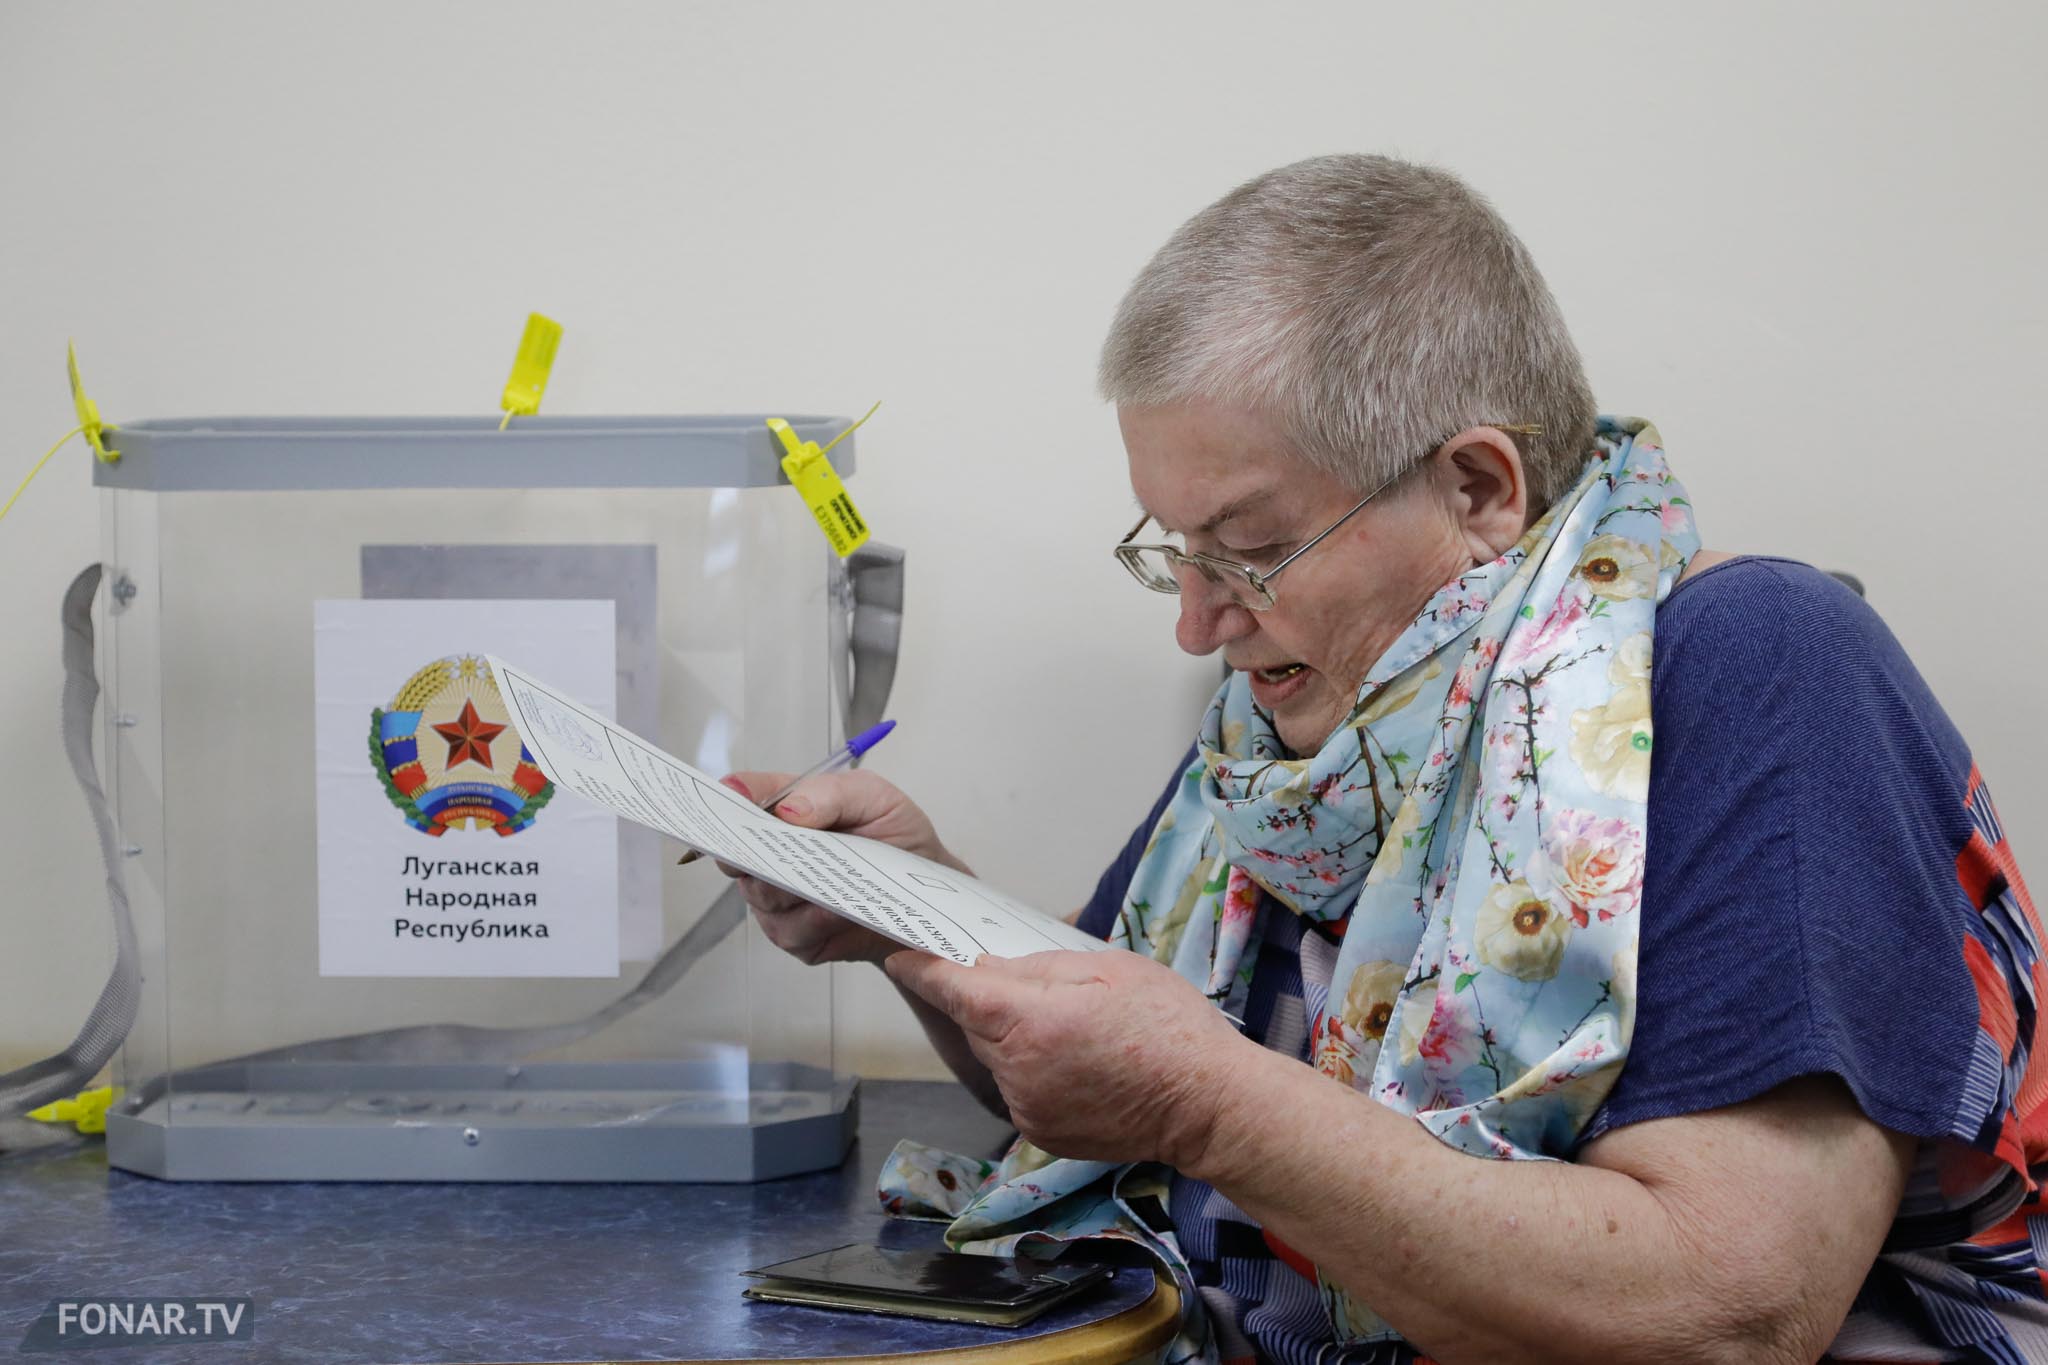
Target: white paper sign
443,848
919,903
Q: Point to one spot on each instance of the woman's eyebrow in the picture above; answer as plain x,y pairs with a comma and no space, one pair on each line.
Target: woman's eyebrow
1236,507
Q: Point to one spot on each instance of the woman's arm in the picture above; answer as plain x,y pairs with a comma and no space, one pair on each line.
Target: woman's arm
1735,1235
1740,1234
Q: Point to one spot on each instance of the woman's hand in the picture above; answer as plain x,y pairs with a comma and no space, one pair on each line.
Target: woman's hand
1105,1056
849,803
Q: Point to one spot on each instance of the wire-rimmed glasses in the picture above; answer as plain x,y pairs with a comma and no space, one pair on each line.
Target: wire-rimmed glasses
1158,565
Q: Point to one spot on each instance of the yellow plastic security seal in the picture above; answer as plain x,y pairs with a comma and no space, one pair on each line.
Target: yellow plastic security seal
530,368
820,487
88,411
89,426
86,1111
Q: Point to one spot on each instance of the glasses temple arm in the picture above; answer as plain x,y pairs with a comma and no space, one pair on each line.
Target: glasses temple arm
1274,572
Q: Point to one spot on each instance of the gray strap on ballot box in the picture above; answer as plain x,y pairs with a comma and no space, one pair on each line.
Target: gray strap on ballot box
874,632
874,635
113,1014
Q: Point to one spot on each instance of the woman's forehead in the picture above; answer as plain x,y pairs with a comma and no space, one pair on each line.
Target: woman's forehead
1194,476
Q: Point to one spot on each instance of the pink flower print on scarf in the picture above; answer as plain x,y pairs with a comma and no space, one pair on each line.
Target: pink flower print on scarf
1552,635
1235,917
1596,863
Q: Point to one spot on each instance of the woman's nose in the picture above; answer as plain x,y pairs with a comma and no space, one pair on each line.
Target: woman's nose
1210,617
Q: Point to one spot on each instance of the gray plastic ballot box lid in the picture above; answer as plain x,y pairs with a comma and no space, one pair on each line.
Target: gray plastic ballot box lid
202,454
546,1121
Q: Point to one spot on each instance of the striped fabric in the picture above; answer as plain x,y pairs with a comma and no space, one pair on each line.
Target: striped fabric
1965,1269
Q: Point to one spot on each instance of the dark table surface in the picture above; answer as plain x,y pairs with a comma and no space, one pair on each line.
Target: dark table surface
468,1273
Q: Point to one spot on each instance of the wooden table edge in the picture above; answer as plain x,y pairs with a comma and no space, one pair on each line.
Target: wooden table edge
1137,1330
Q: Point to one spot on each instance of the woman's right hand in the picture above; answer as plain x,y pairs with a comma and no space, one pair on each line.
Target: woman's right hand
847,803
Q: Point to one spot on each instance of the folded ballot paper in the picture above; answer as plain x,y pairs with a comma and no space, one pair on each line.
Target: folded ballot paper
918,903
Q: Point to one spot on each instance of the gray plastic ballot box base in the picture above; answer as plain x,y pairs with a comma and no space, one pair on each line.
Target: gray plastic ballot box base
550,1121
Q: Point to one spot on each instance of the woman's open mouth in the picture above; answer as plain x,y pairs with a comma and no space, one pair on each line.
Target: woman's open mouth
1272,686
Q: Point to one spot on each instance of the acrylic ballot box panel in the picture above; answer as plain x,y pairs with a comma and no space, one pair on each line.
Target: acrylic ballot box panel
376,944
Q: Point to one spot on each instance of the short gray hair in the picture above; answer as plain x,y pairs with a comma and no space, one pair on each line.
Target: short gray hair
1374,307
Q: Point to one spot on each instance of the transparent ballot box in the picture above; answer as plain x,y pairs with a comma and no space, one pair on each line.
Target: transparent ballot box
374,942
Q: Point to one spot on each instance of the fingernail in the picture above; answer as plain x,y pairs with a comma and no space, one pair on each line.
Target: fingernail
796,808
736,785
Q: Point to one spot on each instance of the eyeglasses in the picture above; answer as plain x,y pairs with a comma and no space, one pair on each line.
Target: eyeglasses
1158,566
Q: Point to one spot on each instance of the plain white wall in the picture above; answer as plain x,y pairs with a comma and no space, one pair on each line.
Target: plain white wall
1805,239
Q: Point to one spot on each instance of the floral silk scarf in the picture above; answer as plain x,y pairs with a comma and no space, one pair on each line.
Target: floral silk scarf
1473,837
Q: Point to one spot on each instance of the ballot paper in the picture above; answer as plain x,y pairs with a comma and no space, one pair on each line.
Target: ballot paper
918,903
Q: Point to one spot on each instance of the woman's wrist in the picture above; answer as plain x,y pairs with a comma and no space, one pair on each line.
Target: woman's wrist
1235,1094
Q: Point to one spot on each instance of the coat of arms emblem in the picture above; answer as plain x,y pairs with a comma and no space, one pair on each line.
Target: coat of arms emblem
448,755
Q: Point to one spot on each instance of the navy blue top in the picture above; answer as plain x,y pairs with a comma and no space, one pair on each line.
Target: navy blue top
1800,901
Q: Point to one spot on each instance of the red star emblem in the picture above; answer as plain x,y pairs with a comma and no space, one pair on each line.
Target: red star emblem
469,737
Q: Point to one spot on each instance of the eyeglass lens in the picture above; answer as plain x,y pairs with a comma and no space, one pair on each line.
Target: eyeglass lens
1165,571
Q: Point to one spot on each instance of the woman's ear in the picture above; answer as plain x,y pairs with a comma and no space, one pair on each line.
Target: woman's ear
1488,490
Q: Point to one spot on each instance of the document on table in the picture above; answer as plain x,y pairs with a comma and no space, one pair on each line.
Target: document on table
918,903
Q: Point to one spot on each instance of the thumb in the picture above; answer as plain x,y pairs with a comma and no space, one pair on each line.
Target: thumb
839,801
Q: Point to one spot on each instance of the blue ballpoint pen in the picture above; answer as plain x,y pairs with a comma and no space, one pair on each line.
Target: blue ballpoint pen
844,756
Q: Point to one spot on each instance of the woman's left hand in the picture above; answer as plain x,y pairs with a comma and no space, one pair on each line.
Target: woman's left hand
1105,1056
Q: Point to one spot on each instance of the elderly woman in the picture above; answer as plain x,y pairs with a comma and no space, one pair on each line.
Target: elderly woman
1553,1046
